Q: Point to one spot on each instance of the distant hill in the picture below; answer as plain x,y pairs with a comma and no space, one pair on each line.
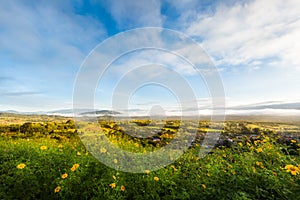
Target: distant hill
65,112
274,105
101,112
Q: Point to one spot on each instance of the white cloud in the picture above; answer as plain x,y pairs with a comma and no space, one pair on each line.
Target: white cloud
251,32
131,13
46,33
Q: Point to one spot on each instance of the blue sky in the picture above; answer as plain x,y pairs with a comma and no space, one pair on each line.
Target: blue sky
254,44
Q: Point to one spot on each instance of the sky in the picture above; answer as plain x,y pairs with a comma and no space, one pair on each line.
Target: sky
253,44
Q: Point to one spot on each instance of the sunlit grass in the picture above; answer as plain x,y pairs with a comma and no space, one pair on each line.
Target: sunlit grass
48,168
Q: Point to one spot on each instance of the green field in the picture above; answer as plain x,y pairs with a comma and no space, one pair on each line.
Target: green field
46,159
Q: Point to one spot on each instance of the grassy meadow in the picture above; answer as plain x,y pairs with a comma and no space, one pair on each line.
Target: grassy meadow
46,159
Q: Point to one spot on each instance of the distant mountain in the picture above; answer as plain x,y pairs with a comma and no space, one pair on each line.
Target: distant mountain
269,105
262,108
66,112
101,112
10,111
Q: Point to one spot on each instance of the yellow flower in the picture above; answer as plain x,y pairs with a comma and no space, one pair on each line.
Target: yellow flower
233,172
147,171
60,146
115,161
258,150
292,169
74,167
259,164
112,185
241,144
43,147
122,188
57,189
114,177
266,139
21,166
248,144
156,178
298,145
204,186
65,175
293,141
78,153
173,167
103,150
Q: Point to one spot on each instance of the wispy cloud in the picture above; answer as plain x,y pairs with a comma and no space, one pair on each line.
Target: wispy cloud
42,45
46,33
248,33
132,14
14,94
4,79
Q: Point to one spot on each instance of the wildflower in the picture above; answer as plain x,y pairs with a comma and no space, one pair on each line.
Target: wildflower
241,144
103,150
204,186
292,169
43,147
65,175
233,172
266,139
259,164
293,141
147,171
258,150
114,177
60,146
57,189
21,166
256,141
156,178
122,188
224,155
74,167
112,185
248,144
78,153
115,161
173,167
298,145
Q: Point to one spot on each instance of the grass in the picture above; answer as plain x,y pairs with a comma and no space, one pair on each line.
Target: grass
64,169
